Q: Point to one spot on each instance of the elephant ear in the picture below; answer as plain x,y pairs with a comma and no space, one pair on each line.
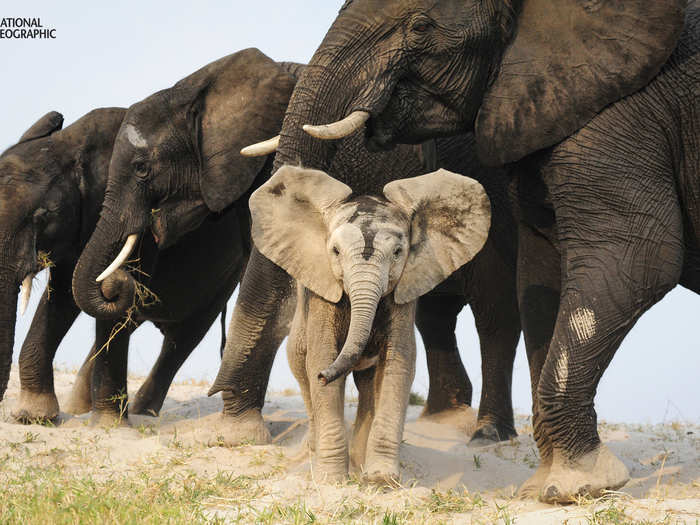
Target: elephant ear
49,123
290,215
244,99
450,221
568,60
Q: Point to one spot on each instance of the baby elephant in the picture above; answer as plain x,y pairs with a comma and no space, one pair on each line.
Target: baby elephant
331,242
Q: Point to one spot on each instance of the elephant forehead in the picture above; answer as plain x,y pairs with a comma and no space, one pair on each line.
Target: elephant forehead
371,231
17,198
369,210
134,136
347,234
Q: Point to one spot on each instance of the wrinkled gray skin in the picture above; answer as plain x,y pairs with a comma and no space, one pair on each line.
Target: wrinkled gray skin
601,126
176,168
54,184
360,264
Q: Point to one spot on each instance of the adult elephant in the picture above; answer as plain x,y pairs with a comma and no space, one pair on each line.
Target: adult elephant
584,95
54,182
176,194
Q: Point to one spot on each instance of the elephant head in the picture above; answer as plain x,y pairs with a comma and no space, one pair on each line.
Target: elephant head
48,181
176,160
521,74
407,243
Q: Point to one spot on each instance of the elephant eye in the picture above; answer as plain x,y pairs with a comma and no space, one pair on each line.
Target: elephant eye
397,252
336,251
140,168
420,26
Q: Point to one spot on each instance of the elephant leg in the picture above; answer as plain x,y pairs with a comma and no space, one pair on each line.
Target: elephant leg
393,378
80,400
364,381
259,324
621,241
331,447
450,391
179,342
296,356
109,388
539,284
53,318
491,287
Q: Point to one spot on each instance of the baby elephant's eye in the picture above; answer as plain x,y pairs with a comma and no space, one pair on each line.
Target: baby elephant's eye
336,251
397,252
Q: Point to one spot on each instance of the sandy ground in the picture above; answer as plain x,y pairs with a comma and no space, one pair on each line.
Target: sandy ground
442,476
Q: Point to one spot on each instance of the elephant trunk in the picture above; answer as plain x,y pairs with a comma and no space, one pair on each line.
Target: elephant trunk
8,316
115,294
366,287
330,89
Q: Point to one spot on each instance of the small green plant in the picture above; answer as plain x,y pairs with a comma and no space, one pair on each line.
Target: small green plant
477,461
414,398
504,515
390,518
453,502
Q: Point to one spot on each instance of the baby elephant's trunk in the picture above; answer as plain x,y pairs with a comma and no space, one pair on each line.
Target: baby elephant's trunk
366,287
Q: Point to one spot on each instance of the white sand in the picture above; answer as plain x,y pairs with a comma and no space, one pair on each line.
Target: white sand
664,461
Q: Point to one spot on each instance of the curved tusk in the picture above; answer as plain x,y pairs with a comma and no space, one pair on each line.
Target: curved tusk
261,148
340,129
26,293
121,258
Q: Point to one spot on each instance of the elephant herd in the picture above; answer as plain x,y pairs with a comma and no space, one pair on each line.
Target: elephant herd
538,161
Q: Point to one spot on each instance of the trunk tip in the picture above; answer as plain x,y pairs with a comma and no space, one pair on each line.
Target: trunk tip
324,378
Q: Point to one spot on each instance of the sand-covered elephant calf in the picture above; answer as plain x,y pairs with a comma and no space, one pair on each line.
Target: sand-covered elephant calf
348,254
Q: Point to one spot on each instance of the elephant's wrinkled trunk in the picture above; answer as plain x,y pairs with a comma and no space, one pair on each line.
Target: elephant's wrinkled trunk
329,89
112,297
365,288
8,316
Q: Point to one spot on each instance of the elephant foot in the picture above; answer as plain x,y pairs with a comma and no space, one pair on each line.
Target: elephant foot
247,429
80,400
384,473
147,402
36,407
590,475
532,488
461,417
108,419
330,473
489,433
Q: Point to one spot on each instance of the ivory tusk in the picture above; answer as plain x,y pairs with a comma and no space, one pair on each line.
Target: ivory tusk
121,258
340,129
26,293
261,148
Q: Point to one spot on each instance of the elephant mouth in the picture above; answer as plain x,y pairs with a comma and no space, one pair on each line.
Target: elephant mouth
158,230
412,115
170,223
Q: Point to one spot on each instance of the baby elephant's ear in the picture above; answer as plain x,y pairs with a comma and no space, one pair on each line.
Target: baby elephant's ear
290,213
450,220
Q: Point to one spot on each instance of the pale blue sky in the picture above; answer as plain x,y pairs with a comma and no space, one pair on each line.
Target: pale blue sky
117,54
